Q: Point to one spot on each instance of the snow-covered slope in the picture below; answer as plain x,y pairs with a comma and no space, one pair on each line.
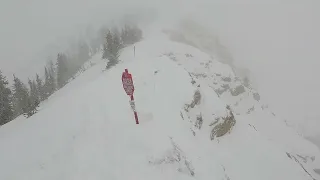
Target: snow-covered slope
87,129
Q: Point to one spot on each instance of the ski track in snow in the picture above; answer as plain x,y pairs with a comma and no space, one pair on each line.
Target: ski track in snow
87,129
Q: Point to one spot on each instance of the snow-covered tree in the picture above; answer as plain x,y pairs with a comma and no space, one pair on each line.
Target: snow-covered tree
6,109
117,38
20,96
40,88
46,86
105,53
107,46
131,34
52,78
49,86
33,100
62,70
112,49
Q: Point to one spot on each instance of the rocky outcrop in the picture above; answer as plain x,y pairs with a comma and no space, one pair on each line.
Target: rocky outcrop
223,125
238,90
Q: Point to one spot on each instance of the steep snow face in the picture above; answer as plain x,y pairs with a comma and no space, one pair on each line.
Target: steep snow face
87,129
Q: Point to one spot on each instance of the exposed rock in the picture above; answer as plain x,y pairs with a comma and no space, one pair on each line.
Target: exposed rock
250,110
196,99
305,159
220,91
197,75
289,155
171,56
188,55
223,125
246,82
256,96
181,115
226,79
238,90
317,171
225,174
225,86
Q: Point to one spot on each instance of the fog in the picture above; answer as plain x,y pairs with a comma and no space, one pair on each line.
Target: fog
277,40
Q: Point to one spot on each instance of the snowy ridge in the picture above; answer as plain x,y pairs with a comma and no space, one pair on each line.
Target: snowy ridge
87,130
210,74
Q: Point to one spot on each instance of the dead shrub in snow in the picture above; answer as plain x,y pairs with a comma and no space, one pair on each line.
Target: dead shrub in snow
199,121
223,125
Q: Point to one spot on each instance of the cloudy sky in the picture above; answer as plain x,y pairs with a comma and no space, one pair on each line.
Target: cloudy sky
278,40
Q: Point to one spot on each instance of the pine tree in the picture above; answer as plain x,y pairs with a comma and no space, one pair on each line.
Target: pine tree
107,46
125,35
115,53
62,70
117,38
112,50
105,54
33,100
117,43
40,88
46,86
49,86
36,92
52,78
6,109
20,96
131,34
